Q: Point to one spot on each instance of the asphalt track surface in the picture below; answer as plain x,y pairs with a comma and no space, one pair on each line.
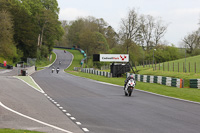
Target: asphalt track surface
102,108
22,107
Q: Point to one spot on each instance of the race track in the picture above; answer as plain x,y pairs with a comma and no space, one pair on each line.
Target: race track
102,108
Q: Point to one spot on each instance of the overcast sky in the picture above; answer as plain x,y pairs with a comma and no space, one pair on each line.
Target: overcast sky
182,16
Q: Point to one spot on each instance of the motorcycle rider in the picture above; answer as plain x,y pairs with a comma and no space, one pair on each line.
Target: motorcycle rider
57,70
53,68
127,79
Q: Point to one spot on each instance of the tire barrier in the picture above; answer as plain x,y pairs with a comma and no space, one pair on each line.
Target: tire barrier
168,81
195,83
92,71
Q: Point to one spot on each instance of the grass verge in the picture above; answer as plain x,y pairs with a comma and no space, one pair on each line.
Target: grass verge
16,131
182,93
29,81
44,62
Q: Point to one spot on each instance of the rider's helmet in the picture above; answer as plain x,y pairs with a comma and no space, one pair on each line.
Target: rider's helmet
131,76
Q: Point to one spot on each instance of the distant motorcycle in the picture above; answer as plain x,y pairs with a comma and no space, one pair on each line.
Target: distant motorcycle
130,86
57,70
52,70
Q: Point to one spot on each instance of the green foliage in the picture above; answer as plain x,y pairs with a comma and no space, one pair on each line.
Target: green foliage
16,131
7,48
42,62
44,51
101,42
163,53
33,26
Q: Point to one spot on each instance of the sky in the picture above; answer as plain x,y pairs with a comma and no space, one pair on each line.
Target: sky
181,16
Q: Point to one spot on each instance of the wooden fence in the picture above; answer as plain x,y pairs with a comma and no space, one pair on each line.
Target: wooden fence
189,67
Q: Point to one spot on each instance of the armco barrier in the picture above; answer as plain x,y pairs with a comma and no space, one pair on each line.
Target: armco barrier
92,71
174,82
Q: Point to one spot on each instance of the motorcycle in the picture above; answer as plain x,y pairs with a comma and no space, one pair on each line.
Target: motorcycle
57,70
130,86
52,70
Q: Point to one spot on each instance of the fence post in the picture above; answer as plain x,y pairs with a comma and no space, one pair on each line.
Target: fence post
155,64
189,67
178,66
173,66
183,67
168,66
159,65
146,63
195,67
149,63
163,66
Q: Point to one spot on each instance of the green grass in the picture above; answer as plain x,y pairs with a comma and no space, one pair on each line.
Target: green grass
29,80
179,65
44,62
182,93
16,131
172,66
173,69
76,61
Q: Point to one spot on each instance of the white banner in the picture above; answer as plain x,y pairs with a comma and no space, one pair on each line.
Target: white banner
114,57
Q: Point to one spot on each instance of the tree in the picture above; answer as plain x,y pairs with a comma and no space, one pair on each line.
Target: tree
7,47
87,41
191,41
159,31
64,40
112,37
129,28
100,43
74,32
147,27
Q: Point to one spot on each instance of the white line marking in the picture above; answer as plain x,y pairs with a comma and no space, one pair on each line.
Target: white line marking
30,118
68,114
141,90
78,123
64,110
85,129
73,118
60,107
37,85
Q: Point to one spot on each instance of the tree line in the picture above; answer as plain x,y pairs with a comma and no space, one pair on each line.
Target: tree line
31,29
192,42
28,28
139,35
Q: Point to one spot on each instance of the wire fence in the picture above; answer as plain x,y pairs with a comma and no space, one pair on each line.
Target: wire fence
187,67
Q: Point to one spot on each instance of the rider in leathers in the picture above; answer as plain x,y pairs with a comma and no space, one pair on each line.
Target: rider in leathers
127,79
